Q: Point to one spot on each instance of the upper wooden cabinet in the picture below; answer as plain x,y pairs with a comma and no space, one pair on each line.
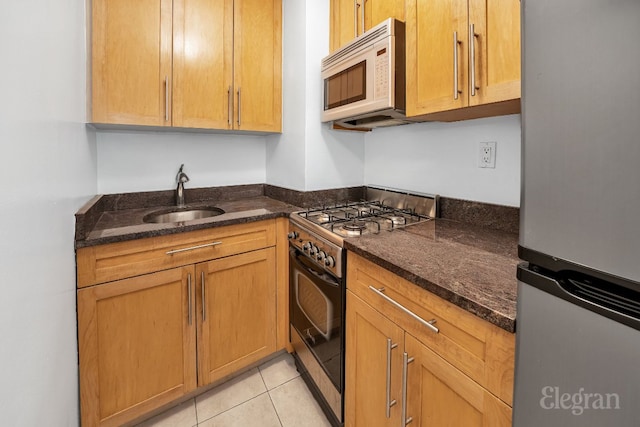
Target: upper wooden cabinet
351,18
188,63
463,53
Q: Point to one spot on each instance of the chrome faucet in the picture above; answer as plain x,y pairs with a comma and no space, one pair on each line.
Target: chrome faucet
181,178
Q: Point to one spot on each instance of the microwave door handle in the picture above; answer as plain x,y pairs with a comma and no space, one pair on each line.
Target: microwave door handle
301,266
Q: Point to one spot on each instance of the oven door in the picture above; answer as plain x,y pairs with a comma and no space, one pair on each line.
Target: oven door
316,312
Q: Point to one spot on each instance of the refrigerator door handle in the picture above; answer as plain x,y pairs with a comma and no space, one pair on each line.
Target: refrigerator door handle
609,300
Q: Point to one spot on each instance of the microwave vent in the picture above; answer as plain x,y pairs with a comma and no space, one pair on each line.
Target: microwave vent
377,33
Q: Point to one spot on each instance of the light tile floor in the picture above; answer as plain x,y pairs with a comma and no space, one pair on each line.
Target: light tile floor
271,395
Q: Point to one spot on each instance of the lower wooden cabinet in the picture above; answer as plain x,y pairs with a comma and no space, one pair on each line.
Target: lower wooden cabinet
438,394
146,341
399,370
137,346
374,346
237,313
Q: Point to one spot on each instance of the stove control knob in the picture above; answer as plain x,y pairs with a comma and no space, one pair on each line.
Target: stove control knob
322,255
330,261
292,235
313,249
306,246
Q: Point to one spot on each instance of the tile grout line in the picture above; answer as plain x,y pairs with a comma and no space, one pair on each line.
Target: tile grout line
269,394
235,406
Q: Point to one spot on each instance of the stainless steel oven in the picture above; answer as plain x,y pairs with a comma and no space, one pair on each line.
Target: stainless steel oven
317,286
316,314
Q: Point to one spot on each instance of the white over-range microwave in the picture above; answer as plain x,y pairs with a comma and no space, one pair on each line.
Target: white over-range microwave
364,81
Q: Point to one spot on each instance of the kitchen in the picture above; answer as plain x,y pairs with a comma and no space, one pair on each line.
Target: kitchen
54,164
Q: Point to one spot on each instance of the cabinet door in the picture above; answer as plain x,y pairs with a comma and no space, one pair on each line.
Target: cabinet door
497,50
236,311
432,55
440,395
137,345
376,11
131,62
369,335
258,65
203,63
344,22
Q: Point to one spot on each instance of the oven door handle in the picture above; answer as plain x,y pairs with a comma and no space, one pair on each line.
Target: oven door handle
320,276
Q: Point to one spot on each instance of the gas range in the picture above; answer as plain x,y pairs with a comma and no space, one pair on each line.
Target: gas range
320,232
317,291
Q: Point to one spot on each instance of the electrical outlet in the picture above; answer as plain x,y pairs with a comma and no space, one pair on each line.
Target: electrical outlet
487,157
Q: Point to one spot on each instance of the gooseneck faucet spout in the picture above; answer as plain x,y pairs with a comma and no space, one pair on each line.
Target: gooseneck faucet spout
181,178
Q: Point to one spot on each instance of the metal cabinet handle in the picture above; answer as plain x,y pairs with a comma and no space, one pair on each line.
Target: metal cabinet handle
472,58
364,7
390,403
229,105
428,324
206,245
456,42
204,301
166,98
239,107
189,296
405,371
355,18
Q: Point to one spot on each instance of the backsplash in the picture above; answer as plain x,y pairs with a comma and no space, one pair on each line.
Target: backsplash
497,217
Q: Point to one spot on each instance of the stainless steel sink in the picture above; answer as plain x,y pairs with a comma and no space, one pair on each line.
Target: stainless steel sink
182,214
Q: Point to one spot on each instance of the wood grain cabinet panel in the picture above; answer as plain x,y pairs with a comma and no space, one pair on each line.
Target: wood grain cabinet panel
130,331
131,61
103,263
461,375
150,337
369,336
347,21
237,313
188,63
453,74
439,394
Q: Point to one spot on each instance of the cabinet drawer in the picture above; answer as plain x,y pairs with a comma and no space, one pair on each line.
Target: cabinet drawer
478,348
104,263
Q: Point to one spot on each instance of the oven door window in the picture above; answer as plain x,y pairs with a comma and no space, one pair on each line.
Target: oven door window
316,313
346,87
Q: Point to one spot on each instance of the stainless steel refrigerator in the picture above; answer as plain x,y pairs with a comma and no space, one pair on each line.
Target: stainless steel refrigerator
578,318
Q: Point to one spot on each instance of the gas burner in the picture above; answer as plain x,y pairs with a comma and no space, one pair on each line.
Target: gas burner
396,220
355,225
323,218
386,211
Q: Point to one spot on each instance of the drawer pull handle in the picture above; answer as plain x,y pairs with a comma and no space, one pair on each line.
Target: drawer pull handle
206,245
390,403
456,42
472,57
405,372
204,297
428,324
189,296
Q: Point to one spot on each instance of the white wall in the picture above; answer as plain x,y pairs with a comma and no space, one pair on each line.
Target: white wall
309,156
48,170
442,158
285,166
334,158
149,161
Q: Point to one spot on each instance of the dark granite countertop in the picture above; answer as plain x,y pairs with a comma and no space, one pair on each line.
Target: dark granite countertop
126,224
472,267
